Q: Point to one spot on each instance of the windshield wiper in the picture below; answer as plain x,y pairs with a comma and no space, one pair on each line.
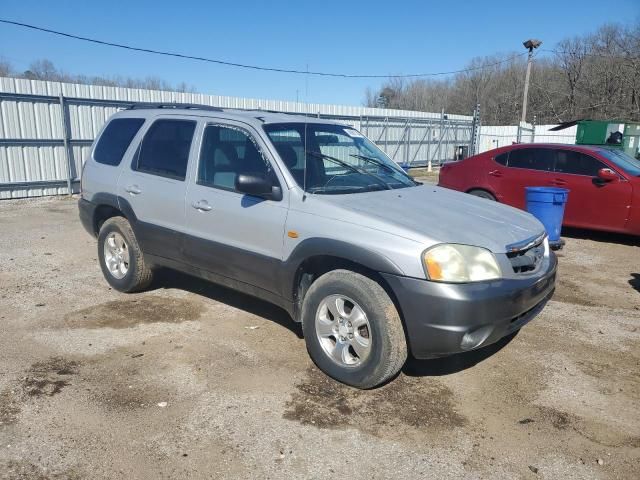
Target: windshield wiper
353,168
377,162
342,189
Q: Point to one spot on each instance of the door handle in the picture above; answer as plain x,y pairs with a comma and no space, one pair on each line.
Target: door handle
202,206
495,173
558,182
133,189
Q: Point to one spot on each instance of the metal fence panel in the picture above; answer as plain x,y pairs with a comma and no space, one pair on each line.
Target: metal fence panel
543,135
46,129
499,136
37,87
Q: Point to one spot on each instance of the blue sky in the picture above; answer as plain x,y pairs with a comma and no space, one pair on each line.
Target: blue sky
360,37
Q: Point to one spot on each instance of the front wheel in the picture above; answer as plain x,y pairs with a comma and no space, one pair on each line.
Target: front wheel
353,330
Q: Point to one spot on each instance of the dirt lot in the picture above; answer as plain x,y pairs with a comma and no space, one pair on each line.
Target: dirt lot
190,380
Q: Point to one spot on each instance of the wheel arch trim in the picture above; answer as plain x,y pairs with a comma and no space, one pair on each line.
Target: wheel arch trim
291,273
482,189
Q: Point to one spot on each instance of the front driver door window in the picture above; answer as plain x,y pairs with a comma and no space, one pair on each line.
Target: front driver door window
591,203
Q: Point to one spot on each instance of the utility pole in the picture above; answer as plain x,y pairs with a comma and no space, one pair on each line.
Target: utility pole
530,45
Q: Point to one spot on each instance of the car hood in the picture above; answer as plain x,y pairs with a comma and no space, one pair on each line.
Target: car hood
439,215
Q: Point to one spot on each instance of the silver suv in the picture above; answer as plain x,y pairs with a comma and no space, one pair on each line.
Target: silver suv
312,216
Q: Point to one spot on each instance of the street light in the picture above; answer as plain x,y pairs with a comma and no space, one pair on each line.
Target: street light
530,45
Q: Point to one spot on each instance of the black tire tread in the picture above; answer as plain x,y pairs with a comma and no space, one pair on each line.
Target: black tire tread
143,275
395,341
487,195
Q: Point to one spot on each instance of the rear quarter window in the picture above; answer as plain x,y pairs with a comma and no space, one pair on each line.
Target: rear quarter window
502,158
115,140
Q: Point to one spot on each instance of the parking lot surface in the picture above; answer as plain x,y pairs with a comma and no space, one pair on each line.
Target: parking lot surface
190,380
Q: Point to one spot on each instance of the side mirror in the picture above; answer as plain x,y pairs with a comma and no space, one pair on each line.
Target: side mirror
258,186
607,175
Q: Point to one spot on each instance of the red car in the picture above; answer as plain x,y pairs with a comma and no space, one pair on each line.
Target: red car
604,183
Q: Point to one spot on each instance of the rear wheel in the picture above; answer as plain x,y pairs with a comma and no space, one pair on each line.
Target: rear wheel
121,259
482,194
352,329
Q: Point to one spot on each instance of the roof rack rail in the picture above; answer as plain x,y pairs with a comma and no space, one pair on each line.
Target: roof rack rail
186,106
266,110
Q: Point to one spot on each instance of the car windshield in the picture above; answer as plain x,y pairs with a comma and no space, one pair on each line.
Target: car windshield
339,159
624,161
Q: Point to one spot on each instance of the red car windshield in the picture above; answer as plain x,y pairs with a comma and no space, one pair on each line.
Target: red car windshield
619,158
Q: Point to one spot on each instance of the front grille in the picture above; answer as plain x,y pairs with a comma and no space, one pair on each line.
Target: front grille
527,259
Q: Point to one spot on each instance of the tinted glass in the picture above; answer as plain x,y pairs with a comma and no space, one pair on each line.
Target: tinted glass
502,158
165,149
116,139
577,163
226,153
531,158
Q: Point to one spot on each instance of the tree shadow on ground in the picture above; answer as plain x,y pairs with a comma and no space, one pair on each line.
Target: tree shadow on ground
166,278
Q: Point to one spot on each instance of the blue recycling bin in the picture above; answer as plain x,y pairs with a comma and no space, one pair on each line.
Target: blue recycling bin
547,205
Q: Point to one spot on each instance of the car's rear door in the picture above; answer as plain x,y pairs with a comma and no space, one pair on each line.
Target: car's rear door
493,171
229,233
154,185
526,167
592,203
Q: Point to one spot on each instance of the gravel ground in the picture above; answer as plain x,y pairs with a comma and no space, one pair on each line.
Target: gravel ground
190,380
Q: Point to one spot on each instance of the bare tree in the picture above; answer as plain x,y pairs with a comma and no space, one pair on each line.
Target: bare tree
591,76
44,69
5,68
571,57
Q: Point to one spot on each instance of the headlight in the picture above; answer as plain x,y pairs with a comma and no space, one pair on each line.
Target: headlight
460,263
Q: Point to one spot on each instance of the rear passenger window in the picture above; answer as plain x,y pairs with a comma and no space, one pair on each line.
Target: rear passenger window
532,158
115,140
164,151
502,158
568,161
226,153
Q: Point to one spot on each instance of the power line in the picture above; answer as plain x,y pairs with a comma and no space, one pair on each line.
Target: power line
591,54
252,67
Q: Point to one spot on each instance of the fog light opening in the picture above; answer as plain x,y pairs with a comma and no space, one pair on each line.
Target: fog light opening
475,338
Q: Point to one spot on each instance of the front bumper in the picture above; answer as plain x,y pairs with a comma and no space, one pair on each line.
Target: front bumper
445,318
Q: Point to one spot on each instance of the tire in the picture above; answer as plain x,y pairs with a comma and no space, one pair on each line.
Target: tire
137,275
387,346
482,194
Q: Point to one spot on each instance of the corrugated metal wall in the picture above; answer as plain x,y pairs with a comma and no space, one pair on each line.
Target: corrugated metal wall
498,136
36,87
35,160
